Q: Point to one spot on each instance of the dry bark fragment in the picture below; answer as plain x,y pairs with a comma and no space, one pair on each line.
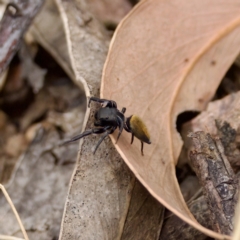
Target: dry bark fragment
221,118
220,185
16,20
230,138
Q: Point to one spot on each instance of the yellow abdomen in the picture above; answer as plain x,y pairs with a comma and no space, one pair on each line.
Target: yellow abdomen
139,129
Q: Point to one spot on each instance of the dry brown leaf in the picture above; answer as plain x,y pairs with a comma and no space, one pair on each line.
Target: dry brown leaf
98,196
176,229
167,57
145,215
16,144
100,193
34,74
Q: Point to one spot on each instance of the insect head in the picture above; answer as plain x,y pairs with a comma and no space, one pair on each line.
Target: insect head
108,118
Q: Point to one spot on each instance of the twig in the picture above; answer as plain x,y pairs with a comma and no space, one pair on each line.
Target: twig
220,185
14,211
16,20
4,237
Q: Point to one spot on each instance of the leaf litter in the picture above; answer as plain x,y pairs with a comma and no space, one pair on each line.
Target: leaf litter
156,83
34,170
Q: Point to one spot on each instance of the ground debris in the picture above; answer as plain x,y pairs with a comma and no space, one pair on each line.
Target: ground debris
219,183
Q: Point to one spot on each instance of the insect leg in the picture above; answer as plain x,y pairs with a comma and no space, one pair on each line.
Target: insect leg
105,102
127,128
121,126
86,133
132,138
124,110
127,124
142,148
102,138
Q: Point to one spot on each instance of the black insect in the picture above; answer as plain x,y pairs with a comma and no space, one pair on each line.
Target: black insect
108,118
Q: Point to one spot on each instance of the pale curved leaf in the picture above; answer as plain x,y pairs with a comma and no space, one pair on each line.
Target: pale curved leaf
166,57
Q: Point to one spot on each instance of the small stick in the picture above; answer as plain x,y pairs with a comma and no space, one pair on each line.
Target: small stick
16,20
14,211
219,183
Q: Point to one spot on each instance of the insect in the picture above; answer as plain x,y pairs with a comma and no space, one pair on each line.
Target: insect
108,118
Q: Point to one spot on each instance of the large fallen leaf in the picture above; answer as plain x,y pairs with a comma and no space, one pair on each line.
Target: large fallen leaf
104,200
166,57
95,204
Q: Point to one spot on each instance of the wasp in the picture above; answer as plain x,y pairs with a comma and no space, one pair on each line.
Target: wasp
108,118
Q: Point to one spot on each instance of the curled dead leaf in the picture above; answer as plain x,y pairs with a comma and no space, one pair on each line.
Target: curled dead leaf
167,57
